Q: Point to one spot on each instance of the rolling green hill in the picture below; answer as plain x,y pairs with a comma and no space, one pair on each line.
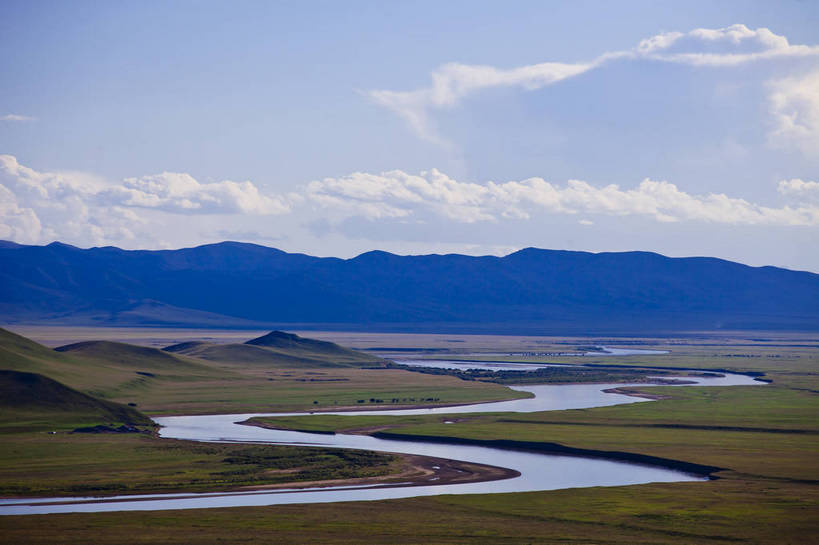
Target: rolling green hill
18,352
32,400
279,350
205,378
129,355
292,344
244,355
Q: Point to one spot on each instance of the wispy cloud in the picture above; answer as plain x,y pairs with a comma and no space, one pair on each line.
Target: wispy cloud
16,117
730,46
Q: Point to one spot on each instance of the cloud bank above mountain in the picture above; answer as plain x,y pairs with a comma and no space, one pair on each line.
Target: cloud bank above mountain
42,206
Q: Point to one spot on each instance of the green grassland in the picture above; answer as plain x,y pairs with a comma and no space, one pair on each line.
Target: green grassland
764,437
161,382
72,464
41,454
768,492
718,512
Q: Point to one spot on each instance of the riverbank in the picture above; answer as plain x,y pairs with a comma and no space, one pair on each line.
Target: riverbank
41,464
415,470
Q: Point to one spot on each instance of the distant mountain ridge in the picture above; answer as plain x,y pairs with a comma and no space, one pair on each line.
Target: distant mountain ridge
233,284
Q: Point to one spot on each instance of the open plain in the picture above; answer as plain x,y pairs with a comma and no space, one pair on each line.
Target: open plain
762,439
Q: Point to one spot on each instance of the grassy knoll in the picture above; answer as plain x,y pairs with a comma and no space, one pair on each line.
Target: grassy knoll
160,382
30,401
278,349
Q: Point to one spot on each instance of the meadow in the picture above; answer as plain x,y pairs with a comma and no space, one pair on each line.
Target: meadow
764,439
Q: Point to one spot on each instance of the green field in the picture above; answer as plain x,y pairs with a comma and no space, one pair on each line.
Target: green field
43,453
160,382
65,464
764,437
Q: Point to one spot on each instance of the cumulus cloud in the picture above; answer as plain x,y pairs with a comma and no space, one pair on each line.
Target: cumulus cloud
800,190
730,46
396,194
40,206
794,104
16,117
180,192
733,45
168,191
16,222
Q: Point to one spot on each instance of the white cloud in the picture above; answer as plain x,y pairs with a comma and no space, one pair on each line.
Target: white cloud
800,190
730,46
397,194
451,82
169,191
794,104
17,223
16,117
180,192
42,206
81,208
733,45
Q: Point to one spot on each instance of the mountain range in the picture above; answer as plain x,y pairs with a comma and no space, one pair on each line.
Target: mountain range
531,291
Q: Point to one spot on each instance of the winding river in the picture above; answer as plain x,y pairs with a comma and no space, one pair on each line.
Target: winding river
537,471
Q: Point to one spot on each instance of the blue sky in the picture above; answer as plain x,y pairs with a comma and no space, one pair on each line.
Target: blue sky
334,128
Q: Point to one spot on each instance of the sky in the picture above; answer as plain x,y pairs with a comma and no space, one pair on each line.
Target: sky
334,128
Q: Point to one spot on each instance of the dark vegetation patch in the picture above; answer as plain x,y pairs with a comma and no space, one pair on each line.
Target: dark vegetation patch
107,429
555,375
311,464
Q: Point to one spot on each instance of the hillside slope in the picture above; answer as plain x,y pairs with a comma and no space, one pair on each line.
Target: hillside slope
532,290
129,355
32,396
277,350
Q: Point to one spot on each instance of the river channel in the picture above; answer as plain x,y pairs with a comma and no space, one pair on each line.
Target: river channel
537,471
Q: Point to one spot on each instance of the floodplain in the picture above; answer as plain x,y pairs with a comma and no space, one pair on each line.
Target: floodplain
763,439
